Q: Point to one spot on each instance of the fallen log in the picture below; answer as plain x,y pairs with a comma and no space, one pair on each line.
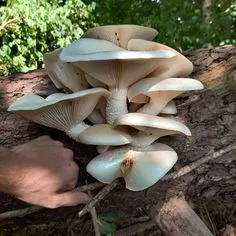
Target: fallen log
210,114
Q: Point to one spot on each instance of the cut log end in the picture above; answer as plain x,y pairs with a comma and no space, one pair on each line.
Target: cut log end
177,218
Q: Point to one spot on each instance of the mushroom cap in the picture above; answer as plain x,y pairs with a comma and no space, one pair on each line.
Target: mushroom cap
86,49
148,86
105,134
121,34
140,167
120,67
60,111
152,125
178,66
63,74
33,102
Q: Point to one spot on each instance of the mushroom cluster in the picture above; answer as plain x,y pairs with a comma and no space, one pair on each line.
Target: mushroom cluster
124,84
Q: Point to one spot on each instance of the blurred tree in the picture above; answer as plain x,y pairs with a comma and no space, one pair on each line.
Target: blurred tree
29,28
184,25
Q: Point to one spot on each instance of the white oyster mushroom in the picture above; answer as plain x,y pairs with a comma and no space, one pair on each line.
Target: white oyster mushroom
113,66
105,134
150,127
178,66
160,91
66,112
121,34
64,74
140,167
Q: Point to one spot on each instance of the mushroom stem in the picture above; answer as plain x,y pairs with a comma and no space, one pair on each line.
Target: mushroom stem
76,130
157,102
116,104
141,139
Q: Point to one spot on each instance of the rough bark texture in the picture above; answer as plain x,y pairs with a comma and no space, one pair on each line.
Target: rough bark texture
210,114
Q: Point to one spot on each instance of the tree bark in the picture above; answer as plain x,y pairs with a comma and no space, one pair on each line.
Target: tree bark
206,10
210,114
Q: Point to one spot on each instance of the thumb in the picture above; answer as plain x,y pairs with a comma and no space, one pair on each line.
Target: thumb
71,198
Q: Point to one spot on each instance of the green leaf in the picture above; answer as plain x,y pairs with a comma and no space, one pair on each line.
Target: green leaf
109,216
106,227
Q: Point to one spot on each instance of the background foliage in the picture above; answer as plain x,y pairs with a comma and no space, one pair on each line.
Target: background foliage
29,28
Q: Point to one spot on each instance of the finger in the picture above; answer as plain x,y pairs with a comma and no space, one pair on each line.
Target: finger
68,186
58,143
44,138
71,198
67,153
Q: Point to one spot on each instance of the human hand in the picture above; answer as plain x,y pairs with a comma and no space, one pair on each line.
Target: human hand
43,173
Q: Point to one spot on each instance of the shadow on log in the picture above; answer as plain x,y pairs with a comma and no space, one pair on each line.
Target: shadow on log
210,114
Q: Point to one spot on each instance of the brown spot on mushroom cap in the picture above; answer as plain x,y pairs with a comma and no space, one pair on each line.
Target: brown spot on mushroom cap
142,167
121,34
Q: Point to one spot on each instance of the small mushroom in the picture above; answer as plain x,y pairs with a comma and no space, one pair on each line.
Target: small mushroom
169,109
150,127
121,34
160,91
178,66
98,115
140,167
104,134
65,112
113,66
64,74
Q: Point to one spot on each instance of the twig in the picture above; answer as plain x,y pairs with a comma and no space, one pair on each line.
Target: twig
191,99
107,189
90,187
19,213
32,209
95,221
188,168
140,219
94,217
135,229
213,227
